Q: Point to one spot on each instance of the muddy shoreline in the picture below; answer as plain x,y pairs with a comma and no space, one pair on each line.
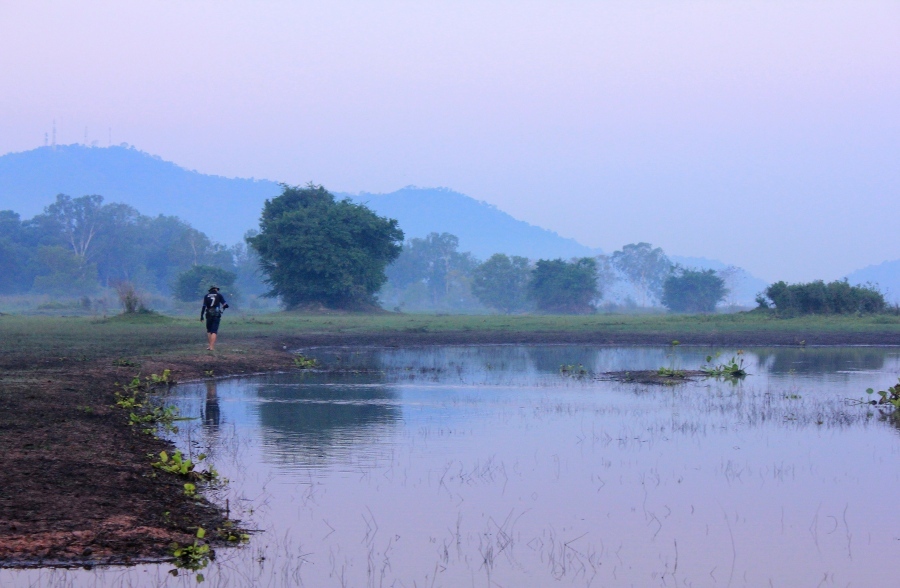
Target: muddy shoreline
76,484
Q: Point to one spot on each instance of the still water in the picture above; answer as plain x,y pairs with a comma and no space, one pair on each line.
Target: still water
485,466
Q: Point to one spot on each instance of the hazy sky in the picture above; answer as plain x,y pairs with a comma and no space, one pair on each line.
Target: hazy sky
764,134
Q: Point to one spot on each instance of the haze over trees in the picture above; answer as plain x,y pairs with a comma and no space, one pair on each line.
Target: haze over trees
79,245
320,250
192,284
689,290
225,208
152,185
501,283
315,250
431,273
564,287
645,267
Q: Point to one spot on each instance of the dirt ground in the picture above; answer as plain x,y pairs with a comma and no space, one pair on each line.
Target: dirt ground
76,484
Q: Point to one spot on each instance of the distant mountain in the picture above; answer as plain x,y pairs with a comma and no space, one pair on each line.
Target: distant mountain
482,228
223,208
884,275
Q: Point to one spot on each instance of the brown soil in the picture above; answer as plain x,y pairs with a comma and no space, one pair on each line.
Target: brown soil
76,484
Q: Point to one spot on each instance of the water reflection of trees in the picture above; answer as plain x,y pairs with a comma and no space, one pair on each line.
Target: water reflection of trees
608,359
309,420
456,359
819,360
549,358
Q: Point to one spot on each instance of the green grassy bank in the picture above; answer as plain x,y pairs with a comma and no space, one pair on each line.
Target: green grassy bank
74,337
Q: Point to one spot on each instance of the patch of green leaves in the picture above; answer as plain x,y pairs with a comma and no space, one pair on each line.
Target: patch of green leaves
305,363
733,369
176,464
184,467
133,398
164,378
194,556
665,372
889,397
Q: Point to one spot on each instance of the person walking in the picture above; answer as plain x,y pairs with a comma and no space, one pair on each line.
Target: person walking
213,306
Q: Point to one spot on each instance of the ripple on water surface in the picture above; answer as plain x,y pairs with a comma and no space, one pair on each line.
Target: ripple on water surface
485,466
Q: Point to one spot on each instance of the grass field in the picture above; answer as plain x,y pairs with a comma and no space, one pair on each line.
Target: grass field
141,334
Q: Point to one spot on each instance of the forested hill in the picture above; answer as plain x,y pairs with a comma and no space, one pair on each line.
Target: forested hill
225,208
482,228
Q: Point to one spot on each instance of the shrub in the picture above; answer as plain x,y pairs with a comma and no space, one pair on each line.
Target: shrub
132,302
690,290
817,297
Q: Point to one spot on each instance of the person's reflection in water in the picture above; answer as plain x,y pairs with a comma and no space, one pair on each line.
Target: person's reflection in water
211,414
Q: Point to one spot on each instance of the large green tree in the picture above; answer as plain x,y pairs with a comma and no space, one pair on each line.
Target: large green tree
563,287
318,250
501,283
690,290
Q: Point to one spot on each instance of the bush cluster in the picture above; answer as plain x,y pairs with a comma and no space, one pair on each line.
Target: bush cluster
837,297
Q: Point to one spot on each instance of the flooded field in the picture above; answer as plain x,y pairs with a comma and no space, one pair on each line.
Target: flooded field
488,466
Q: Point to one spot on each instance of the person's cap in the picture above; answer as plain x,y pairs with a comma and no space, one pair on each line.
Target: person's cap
211,288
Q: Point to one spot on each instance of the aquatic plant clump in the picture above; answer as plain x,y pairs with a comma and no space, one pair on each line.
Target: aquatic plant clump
665,372
573,370
734,368
305,363
889,398
194,556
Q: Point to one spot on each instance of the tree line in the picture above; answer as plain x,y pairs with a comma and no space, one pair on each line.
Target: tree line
316,250
817,297
78,246
433,268
312,250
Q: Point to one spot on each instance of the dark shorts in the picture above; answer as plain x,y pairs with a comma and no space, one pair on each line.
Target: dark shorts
212,324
